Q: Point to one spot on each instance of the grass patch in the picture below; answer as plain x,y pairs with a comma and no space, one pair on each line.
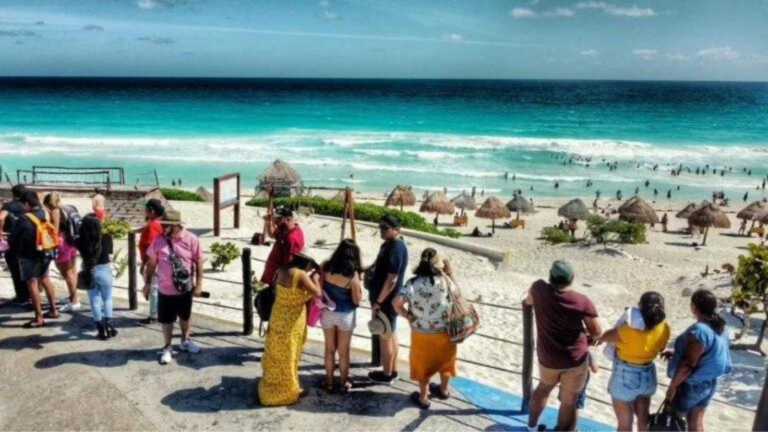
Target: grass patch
172,194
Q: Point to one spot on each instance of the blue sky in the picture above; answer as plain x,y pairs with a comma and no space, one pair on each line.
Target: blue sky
498,39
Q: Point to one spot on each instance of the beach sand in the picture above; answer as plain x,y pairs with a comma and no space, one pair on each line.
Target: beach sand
614,278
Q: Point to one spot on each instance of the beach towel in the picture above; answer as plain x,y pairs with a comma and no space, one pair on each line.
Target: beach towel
631,317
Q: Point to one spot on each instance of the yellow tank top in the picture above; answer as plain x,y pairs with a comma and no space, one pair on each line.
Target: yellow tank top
640,347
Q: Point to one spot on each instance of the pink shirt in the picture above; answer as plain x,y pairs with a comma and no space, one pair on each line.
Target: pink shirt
187,248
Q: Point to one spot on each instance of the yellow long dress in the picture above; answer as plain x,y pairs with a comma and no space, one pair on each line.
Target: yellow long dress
287,333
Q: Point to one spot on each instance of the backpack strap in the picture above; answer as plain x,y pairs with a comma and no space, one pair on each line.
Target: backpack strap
38,223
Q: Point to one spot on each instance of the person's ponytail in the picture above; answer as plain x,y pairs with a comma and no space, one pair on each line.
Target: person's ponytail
717,322
706,303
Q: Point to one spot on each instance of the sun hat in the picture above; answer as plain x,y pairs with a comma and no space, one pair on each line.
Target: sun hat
379,326
172,217
561,272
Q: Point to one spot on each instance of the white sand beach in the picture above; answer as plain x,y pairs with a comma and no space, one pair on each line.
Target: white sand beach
614,278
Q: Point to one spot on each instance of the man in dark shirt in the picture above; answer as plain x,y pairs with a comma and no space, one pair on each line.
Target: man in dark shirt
33,264
387,280
11,212
562,343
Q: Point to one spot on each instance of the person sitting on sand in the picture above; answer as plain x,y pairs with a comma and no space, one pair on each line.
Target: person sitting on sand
476,232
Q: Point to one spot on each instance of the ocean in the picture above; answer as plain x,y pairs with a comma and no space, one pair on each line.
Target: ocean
497,136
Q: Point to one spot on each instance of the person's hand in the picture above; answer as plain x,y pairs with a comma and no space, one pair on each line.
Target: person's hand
375,308
411,317
145,291
198,291
667,355
447,269
671,391
315,276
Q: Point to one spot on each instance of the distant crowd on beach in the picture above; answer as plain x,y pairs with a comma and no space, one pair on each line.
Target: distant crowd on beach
328,293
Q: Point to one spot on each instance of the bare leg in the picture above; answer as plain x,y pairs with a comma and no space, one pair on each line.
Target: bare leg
696,419
567,416
168,333
34,295
395,352
625,413
387,354
50,292
330,355
344,341
538,402
424,392
184,329
67,271
642,410
445,382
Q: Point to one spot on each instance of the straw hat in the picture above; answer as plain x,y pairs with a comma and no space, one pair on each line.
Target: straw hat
172,217
379,326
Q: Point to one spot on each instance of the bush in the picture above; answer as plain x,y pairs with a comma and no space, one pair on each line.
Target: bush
223,255
554,235
602,232
116,228
119,264
172,194
363,212
750,292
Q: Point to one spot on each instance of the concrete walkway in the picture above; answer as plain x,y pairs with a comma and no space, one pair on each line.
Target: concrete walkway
62,378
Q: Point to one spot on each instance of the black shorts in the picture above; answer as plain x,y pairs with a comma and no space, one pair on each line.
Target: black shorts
174,306
33,268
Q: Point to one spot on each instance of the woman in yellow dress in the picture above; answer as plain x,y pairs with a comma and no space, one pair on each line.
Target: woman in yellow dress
295,285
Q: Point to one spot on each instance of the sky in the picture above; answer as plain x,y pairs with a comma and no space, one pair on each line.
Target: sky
453,39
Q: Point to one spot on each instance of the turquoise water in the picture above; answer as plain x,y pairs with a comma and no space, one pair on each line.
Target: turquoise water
430,134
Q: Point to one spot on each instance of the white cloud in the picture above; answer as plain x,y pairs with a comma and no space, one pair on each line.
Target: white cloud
723,53
454,37
611,9
560,12
330,15
590,53
645,54
677,57
147,4
519,12
324,3
551,13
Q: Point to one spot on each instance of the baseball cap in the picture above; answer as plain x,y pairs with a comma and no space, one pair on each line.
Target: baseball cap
561,272
389,220
155,206
283,212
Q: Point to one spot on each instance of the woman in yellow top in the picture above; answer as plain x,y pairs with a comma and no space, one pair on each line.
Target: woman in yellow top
295,285
633,380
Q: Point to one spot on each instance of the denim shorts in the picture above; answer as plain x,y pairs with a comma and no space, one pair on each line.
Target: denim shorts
629,382
696,394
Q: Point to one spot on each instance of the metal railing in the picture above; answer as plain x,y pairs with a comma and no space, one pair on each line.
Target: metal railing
66,175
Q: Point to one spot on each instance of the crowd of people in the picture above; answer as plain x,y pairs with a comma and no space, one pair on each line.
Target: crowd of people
567,321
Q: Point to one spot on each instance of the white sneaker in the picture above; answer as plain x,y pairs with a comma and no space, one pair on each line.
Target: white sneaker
167,355
70,307
189,346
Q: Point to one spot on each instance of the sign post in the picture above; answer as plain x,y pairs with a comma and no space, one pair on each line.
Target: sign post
226,193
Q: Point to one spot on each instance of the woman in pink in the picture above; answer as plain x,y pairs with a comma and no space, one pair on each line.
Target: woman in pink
66,261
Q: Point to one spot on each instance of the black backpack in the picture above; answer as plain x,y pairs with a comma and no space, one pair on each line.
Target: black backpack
74,221
265,299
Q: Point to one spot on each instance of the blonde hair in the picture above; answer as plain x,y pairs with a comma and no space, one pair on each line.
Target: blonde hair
52,200
98,201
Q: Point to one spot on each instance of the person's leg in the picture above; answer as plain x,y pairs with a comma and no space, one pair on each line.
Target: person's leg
153,297
696,419
395,352
50,292
34,295
567,416
344,342
445,383
538,402
625,413
387,353
168,333
330,355
642,410
19,287
424,391
67,270
185,326
94,297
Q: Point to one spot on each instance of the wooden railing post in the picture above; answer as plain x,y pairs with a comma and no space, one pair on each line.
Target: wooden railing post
247,293
528,347
761,418
133,303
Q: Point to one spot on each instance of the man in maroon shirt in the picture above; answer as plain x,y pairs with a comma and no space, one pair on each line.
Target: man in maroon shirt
154,211
566,324
289,241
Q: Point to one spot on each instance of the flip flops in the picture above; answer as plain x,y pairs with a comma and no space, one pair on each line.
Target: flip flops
416,399
436,392
49,315
32,324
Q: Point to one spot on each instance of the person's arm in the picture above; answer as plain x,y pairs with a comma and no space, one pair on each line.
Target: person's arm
56,218
399,304
310,283
528,300
693,351
386,290
269,225
149,271
198,277
611,336
594,330
3,215
357,291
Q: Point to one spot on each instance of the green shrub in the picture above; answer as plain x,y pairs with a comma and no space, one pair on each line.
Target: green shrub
554,235
223,255
172,194
750,291
368,212
602,232
116,228
596,229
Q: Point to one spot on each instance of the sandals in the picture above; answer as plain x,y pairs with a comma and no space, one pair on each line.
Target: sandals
345,388
50,315
303,393
328,387
436,392
32,324
416,399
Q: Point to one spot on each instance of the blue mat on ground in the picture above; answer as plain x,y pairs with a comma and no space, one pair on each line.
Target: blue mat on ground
504,408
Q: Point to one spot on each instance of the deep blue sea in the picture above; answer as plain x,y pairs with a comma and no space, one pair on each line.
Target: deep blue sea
429,134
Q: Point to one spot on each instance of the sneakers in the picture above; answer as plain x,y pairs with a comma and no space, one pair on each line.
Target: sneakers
189,346
148,321
167,355
380,377
70,307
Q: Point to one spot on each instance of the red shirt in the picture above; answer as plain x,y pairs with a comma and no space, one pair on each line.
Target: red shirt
152,229
286,246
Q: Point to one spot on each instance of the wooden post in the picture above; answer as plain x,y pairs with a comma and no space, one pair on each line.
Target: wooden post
237,206
216,209
761,418
528,347
133,303
375,352
351,207
706,231
247,293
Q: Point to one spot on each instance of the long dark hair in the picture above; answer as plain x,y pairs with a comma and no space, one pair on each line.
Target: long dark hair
425,267
652,309
706,303
90,239
345,259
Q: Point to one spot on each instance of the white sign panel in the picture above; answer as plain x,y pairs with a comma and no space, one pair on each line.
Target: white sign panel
228,192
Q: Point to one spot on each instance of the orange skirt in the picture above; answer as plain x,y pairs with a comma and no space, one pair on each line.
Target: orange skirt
432,353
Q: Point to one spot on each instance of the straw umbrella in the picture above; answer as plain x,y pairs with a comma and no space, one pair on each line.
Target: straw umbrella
753,212
493,209
706,216
685,213
627,203
574,210
279,176
520,205
401,196
437,203
340,195
638,210
465,202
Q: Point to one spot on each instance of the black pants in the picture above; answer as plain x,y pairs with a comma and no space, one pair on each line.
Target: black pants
13,266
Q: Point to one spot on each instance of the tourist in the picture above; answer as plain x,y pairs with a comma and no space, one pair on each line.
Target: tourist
664,222
153,212
34,258
743,227
10,213
428,298
566,322
295,284
66,260
178,260
640,336
341,285
700,357
386,281
95,249
98,205
289,240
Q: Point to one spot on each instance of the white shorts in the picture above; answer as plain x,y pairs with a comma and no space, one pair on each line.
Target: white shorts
345,321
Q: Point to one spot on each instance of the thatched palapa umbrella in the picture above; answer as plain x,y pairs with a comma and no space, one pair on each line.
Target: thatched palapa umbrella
685,213
520,205
638,210
574,210
401,196
437,203
280,177
627,203
493,209
753,212
706,216
465,202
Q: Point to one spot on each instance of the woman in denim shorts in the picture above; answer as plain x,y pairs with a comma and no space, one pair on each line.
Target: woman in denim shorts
633,380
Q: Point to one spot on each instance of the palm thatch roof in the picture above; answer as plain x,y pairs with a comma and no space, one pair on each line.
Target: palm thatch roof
754,211
279,175
627,203
437,203
401,196
519,204
685,213
638,210
709,215
494,209
574,209
464,201
764,219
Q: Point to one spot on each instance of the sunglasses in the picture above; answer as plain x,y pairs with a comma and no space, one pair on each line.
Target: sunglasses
385,227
